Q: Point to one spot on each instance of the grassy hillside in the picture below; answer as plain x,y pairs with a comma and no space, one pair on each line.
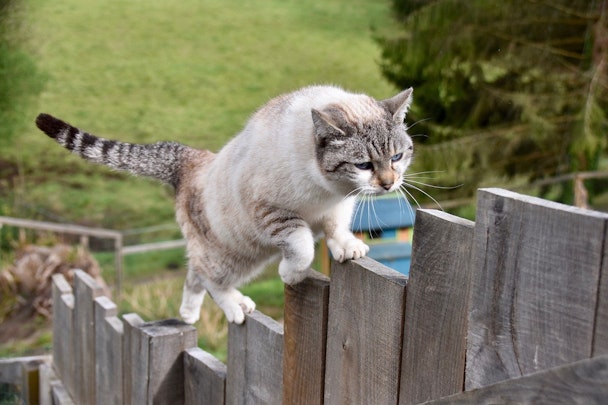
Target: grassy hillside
152,70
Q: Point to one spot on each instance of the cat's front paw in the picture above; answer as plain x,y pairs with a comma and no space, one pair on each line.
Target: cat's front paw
351,248
235,305
291,277
190,315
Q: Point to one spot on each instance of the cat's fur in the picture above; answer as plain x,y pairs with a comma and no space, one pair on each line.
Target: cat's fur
293,172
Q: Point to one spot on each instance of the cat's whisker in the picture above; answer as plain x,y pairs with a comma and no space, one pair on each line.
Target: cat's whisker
423,192
408,205
434,186
358,208
370,210
417,122
416,174
373,211
411,196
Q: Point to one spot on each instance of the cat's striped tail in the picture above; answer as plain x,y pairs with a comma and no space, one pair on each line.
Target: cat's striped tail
160,160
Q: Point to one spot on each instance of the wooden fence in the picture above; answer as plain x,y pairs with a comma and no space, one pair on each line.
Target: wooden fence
510,309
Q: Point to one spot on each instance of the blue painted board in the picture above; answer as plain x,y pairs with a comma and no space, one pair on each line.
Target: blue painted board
386,214
396,255
382,213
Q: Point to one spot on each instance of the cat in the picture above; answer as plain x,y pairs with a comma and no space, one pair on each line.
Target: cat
292,173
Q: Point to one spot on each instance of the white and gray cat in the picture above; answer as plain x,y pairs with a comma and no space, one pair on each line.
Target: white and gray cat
292,173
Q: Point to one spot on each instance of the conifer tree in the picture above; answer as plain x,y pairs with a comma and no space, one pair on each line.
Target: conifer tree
503,89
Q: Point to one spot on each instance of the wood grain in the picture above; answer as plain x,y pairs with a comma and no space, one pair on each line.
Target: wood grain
305,340
364,336
60,394
582,382
535,286
158,348
600,338
434,342
130,364
108,352
86,289
205,375
255,361
63,334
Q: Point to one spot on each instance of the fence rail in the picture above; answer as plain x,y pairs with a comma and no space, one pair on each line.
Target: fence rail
513,307
120,250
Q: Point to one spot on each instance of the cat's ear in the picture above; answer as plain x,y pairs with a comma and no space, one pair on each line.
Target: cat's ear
325,125
399,105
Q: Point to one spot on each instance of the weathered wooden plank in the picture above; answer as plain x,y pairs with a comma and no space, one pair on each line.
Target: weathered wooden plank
61,228
434,340
305,340
158,348
30,385
86,289
60,394
46,378
63,338
582,382
108,352
130,362
255,361
205,378
535,283
600,338
364,336
11,370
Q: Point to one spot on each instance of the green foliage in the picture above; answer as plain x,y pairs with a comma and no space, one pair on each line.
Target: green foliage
20,79
505,88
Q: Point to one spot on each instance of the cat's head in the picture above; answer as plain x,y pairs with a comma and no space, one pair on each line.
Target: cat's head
363,146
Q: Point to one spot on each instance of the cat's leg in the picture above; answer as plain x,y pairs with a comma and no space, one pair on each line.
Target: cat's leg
292,235
192,297
234,304
340,240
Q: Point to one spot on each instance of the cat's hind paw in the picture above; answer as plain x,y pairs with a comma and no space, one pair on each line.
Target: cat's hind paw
352,248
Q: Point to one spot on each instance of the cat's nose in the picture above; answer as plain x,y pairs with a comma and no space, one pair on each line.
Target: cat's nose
387,186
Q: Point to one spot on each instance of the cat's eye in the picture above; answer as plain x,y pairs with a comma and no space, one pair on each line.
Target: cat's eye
397,157
364,166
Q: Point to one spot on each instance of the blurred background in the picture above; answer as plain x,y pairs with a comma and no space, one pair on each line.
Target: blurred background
507,94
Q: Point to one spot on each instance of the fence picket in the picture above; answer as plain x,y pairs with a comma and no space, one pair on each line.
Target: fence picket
86,289
305,340
600,338
46,377
364,333
63,333
255,361
60,394
581,382
205,379
130,361
536,272
108,352
158,361
436,308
